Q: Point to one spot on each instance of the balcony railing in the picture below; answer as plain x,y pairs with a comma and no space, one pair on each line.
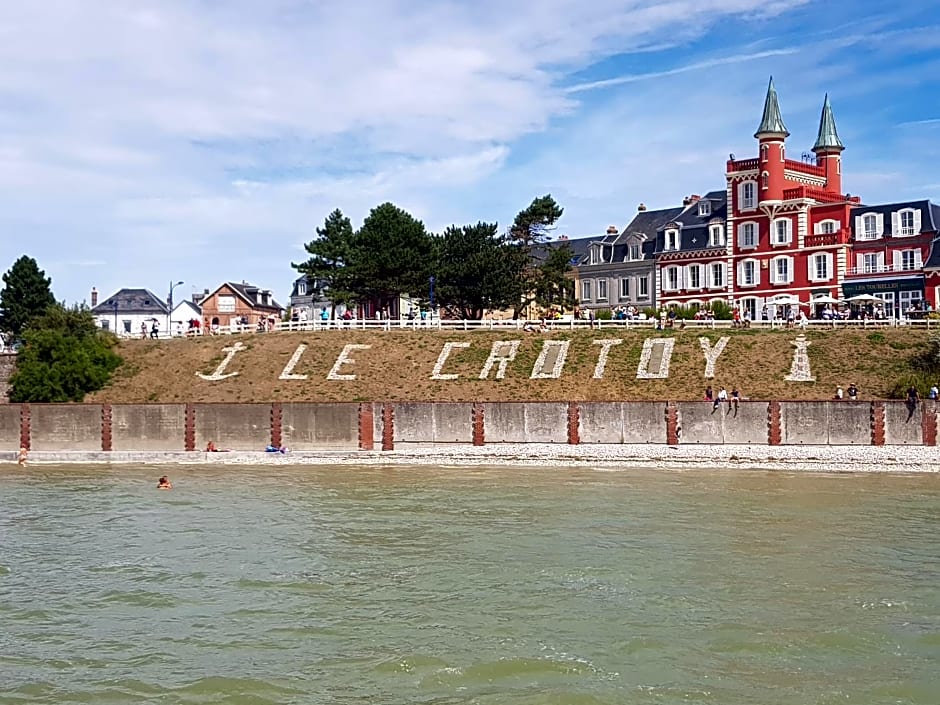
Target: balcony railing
819,239
743,164
817,194
804,168
882,269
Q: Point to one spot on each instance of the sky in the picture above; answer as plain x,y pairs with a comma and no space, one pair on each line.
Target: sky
144,143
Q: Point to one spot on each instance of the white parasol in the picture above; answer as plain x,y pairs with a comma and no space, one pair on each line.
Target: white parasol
864,299
825,299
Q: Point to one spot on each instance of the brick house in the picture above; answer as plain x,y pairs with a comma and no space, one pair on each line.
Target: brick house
238,304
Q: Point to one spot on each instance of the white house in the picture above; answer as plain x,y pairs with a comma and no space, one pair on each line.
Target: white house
130,313
182,314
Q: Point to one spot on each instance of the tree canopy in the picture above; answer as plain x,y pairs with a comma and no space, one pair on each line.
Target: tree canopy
327,268
64,357
26,294
476,270
392,254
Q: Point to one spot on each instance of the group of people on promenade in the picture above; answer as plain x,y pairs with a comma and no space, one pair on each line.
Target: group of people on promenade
723,397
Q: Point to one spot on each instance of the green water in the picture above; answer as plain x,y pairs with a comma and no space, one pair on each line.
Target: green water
498,585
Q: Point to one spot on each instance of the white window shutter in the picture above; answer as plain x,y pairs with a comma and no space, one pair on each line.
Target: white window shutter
830,267
859,227
880,224
859,263
756,272
817,229
896,259
811,268
895,223
790,271
917,221
918,258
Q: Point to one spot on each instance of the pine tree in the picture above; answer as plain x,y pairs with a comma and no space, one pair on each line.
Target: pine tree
326,269
25,295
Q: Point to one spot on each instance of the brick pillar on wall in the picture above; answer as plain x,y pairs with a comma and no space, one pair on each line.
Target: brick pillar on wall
366,427
106,427
25,427
574,423
774,430
929,423
877,423
479,432
388,426
277,426
672,423
189,437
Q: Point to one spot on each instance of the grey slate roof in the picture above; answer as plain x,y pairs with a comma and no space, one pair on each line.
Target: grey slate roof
617,245
828,137
693,228
772,122
132,301
250,293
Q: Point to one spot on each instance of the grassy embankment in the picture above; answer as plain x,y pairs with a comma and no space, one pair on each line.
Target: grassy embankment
399,364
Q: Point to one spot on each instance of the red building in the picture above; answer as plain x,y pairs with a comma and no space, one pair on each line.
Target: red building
784,230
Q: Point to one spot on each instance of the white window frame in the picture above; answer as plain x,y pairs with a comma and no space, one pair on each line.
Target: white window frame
748,201
596,257
827,227
869,226
225,303
672,240
719,281
636,253
742,231
601,290
871,262
755,271
643,288
716,235
817,273
704,208
625,289
775,270
301,288
787,237
672,281
898,228
586,290
695,277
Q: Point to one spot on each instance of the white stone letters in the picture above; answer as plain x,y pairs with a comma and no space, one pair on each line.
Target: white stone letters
345,359
503,352
601,365
799,368
442,359
288,372
560,349
658,352
217,374
712,353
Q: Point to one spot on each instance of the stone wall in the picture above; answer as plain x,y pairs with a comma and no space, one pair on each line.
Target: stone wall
368,426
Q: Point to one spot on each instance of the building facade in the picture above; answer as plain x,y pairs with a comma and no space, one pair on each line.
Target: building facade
130,313
238,305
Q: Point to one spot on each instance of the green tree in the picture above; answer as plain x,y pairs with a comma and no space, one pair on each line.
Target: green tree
552,287
531,231
64,357
327,268
392,254
25,295
476,270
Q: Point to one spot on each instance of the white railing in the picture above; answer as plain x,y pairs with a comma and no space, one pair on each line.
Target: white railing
536,326
883,269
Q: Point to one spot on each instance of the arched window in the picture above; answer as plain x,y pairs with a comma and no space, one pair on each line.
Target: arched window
764,180
763,152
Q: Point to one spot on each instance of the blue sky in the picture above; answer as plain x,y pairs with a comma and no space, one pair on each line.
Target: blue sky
148,142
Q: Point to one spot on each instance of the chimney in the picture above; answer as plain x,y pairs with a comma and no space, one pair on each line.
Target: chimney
694,198
611,229
94,297
641,207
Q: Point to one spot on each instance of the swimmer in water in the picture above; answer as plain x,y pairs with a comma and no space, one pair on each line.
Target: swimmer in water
164,483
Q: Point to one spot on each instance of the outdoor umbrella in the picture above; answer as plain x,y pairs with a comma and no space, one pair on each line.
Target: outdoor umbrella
825,299
864,299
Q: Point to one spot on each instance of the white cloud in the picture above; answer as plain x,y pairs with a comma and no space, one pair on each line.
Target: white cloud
207,140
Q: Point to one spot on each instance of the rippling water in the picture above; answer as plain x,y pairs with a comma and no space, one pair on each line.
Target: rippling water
495,585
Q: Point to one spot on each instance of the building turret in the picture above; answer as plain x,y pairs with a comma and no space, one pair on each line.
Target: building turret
828,149
771,135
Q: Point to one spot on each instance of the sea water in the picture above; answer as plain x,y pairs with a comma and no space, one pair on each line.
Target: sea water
467,585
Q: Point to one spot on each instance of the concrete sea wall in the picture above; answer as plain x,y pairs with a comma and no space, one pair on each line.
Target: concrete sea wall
385,426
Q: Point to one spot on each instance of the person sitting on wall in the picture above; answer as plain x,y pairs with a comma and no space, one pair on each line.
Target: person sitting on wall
164,483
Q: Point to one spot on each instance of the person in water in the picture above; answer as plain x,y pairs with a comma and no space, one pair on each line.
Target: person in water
164,483
21,458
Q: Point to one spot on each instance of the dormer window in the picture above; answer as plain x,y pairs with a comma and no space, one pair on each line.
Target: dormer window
597,255
672,239
301,288
716,235
704,208
906,222
635,253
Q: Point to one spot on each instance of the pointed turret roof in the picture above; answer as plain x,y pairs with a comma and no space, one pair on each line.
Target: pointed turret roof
828,137
772,122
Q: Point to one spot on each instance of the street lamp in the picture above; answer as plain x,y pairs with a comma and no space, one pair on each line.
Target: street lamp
431,297
169,305
115,304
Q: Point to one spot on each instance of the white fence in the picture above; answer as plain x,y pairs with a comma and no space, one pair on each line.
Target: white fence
535,326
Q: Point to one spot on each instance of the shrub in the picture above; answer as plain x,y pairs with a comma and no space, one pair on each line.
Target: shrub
722,310
603,315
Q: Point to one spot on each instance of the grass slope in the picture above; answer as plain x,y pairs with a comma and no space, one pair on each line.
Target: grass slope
399,364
